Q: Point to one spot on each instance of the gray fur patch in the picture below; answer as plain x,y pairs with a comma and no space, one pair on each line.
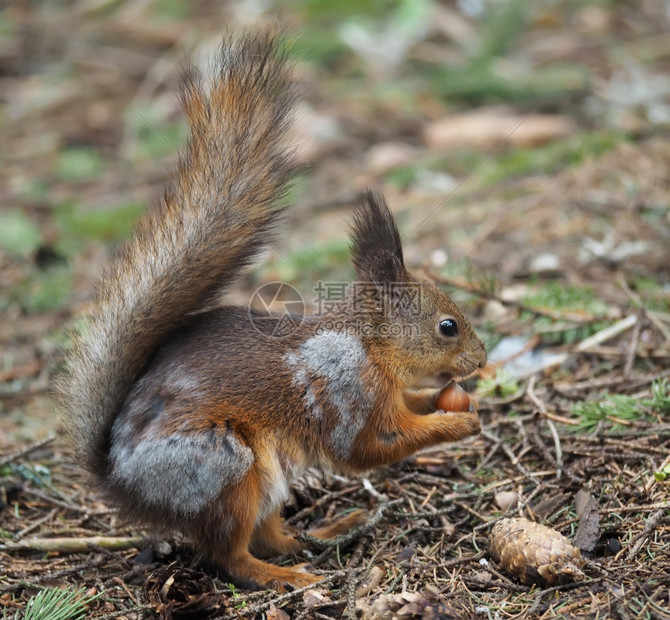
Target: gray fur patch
301,381
184,472
339,359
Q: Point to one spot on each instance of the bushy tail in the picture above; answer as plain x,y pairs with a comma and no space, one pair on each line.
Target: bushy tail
218,212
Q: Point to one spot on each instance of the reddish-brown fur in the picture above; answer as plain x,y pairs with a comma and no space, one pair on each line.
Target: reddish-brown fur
196,420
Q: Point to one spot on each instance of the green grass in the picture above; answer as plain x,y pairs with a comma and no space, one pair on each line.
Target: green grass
478,79
654,294
479,85
171,9
616,410
19,235
554,295
155,138
328,261
550,158
79,164
79,223
558,298
42,291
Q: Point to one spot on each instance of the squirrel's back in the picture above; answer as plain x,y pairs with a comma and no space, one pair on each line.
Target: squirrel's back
216,215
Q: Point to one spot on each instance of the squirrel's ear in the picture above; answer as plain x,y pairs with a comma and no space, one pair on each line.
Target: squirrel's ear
376,248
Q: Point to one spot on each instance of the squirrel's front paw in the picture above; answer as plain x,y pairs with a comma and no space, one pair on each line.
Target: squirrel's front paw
460,424
474,422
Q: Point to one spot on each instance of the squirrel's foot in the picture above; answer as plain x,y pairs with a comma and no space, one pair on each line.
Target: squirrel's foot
252,573
293,577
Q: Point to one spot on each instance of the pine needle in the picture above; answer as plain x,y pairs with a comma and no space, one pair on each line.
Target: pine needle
59,604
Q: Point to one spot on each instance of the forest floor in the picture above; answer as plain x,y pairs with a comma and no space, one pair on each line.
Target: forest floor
525,150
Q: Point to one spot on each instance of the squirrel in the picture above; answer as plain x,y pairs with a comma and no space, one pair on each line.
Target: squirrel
194,419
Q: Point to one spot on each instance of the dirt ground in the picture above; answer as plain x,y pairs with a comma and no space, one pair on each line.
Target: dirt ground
525,150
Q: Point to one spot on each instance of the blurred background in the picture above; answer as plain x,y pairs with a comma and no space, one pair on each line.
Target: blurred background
522,145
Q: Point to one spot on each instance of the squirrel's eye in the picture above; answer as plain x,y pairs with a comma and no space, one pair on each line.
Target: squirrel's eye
448,327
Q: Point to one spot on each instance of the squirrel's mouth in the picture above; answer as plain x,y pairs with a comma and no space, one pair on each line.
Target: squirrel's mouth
435,380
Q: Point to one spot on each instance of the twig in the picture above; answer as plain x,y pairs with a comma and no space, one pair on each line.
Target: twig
5,460
619,510
607,334
464,560
463,284
530,391
46,576
650,524
632,348
515,460
564,586
74,545
620,443
324,499
598,338
55,502
123,612
560,419
351,582
651,315
557,447
33,526
651,481
542,409
254,609
573,389
367,485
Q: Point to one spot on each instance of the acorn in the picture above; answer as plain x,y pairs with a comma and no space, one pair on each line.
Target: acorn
534,553
453,398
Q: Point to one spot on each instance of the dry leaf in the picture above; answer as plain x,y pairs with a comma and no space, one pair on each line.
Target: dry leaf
390,155
588,531
273,613
373,580
315,597
506,500
175,592
582,498
485,128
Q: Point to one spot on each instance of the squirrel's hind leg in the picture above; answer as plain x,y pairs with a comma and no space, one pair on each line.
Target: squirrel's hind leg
226,534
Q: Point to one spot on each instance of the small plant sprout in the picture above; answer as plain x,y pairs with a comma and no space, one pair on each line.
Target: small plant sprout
502,384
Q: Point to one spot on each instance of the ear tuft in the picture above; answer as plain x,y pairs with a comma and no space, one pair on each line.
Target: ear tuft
376,247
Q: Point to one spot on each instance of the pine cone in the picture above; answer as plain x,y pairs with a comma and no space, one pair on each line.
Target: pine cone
534,553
